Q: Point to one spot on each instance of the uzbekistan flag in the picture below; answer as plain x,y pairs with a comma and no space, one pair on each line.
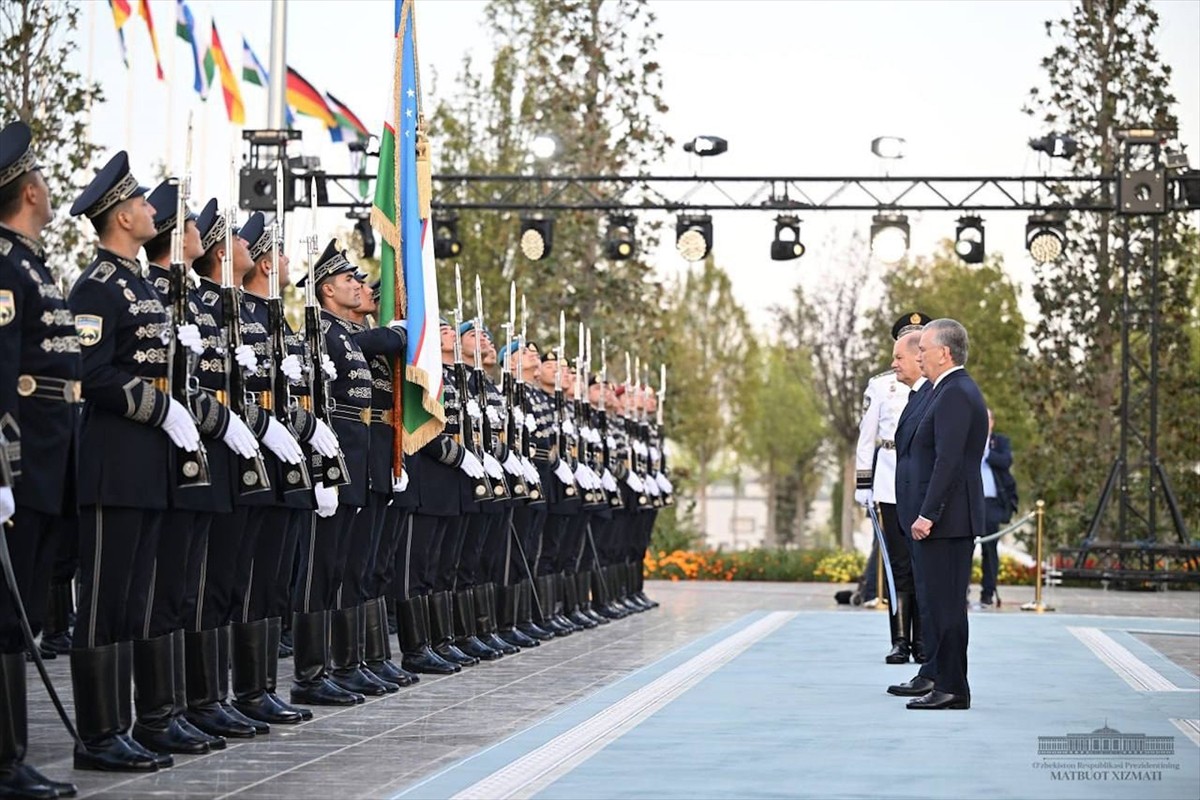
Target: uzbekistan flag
185,28
346,119
121,13
304,99
252,68
216,61
408,288
144,13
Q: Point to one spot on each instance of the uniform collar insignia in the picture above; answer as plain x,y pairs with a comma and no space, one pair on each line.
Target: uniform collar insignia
31,245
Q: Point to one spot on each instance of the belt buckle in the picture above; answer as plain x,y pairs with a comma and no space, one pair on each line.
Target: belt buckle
26,385
364,416
72,391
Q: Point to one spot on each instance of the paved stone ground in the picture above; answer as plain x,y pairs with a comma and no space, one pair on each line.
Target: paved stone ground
782,719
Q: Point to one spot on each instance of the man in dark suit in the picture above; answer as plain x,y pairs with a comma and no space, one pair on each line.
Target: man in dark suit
939,497
1000,501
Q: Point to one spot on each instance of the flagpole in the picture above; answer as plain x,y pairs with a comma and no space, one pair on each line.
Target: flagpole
170,101
129,107
277,91
91,63
398,295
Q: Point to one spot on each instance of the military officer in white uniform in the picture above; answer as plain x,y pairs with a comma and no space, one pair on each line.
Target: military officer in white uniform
875,465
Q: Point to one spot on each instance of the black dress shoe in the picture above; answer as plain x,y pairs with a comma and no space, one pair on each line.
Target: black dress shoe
213,742
212,719
16,782
60,788
264,709
898,654
170,737
259,726
112,754
917,687
323,692
938,701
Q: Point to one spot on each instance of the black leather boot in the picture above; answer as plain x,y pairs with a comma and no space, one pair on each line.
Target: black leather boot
125,704
571,610
899,626
526,607
639,581
204,710
310,659
250,698
466,626
485,620
223,659
94,676
285,637
507,602
583,587
552,606
377,649
633,577
56,632
274,633
156,728
18,779
179,710
602,604
919,654
416,654
441,629
346,655
625,589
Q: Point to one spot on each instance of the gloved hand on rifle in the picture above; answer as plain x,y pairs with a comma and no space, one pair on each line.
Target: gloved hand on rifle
863,497
280,442
291,368
492,467
327,500
181,427
240,438
471,465
324,440
329,368
188,335
563,471
244,355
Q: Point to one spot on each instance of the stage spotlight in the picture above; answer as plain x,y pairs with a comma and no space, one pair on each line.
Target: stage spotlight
693,236
619,242
1055,145
543,146
968,239
889,237
445,237
787,244
1189,189
1046,237
364,233
890,147
537,234
706,146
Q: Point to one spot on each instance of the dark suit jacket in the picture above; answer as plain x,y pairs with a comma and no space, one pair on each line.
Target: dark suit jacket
1000,459
937,474
905,427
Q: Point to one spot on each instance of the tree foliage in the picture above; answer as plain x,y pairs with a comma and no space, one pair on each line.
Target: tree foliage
583,71
39,87
1104,74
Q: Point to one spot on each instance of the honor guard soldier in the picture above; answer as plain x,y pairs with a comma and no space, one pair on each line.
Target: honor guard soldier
326,549
875,464
131,430
40,368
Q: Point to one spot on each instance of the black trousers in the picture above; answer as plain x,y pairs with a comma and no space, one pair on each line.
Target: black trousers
990,551
470,559
574,539
117,547
197,573
33,544
602,535
254,597
319,575
450,552
249,522
358,550
946,567
497,547
899,555
166,604
298,520
66,554
553,536
219,577
381,570
419,555
528,521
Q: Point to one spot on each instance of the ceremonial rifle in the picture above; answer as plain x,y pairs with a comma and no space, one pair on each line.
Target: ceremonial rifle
485,433
560,411
481,487
615,499
535,489
511,433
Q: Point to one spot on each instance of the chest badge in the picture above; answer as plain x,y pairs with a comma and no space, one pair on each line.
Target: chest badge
129,295
8,307
89,327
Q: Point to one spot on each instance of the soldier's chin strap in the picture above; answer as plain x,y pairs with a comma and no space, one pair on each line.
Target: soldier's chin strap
10,578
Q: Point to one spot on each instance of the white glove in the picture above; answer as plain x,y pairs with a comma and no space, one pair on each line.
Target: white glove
473,410
652,487
492,467
327,365
188,335
639,447
531,423
8,504
862,497
240,438
401,483
324,440
471,465
654,452
282,444
244,355
290,367
513,466
612,443
180,426
568,427
531,473
493,416
634,482
327,500
563,471
399,324
608,481
664,483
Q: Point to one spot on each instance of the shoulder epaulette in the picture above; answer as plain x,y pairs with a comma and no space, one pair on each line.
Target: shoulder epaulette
5,246
104,270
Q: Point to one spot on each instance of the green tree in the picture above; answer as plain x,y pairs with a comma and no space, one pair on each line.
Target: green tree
832,325
782,433
984,299
1104,74
708,350
38,86
583,71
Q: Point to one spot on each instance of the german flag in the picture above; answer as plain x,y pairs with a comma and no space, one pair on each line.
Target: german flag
305,99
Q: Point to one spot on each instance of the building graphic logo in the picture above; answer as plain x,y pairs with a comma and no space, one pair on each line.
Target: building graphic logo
1106,741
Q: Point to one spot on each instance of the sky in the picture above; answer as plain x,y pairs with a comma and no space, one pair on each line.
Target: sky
797,88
